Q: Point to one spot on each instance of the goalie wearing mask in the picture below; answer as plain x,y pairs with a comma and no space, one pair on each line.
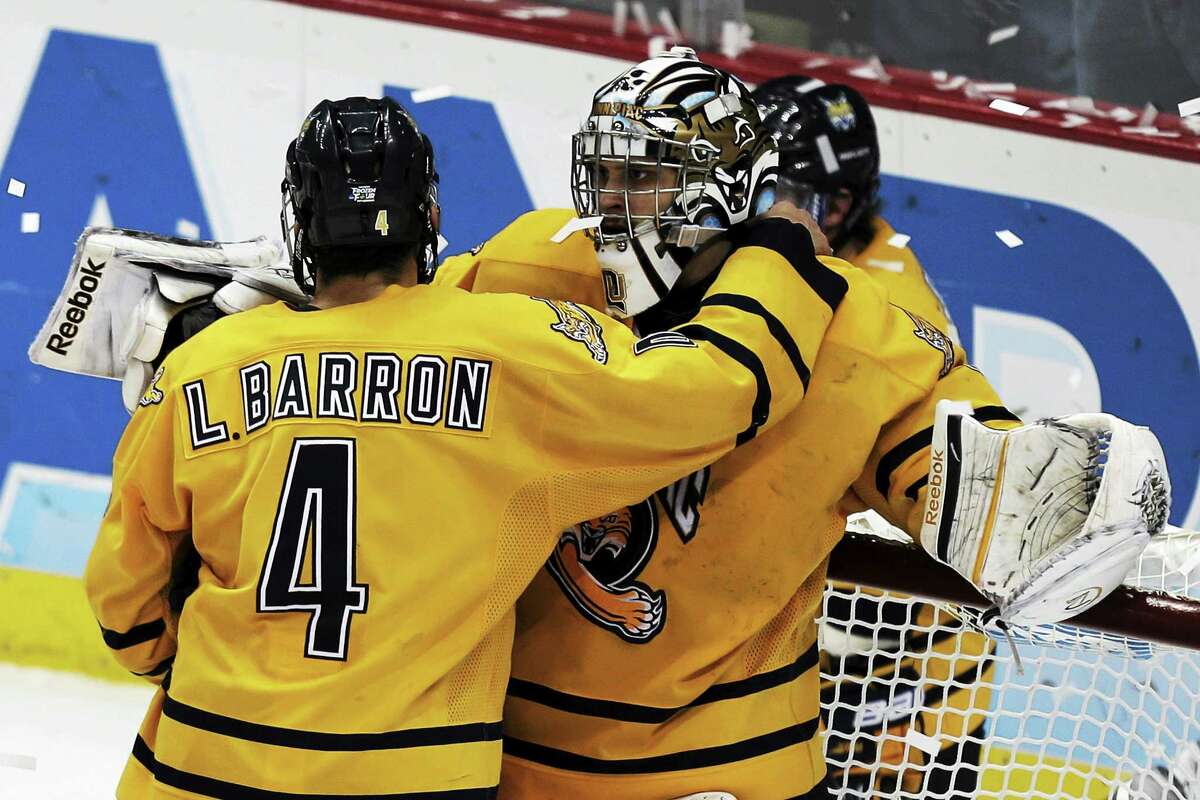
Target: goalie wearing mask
696,607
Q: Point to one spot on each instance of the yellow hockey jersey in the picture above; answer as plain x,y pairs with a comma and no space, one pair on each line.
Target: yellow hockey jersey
670,647
370,487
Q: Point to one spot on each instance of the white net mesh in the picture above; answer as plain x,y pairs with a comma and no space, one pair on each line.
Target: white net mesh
918,704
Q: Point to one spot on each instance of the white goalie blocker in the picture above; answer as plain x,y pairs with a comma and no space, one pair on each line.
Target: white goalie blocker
124,287
1046,519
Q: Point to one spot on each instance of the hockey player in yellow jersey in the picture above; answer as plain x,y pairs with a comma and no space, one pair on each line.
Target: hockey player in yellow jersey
829,163
370,480
669,648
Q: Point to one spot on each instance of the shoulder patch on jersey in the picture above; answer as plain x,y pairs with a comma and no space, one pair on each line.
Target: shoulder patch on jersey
578,326
153,395
661,339
929,333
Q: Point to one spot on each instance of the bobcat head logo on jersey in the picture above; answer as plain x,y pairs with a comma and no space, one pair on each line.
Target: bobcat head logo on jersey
578,326
153,395
596,563
928,332
840,113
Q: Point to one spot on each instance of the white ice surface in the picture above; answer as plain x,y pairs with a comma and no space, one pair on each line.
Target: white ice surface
79,730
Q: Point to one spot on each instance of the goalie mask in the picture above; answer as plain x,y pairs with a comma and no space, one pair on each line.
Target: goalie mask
827,142
672,153
360,173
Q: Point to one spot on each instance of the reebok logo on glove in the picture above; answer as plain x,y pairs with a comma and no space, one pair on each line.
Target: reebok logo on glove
77,308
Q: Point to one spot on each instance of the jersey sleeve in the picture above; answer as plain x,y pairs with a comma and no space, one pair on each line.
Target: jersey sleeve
893,482
657,407
128,574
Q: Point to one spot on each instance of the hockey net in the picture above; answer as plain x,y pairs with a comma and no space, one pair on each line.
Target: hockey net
918,703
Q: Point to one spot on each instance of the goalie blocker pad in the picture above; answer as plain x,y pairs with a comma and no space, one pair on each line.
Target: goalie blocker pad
1046,519
124,287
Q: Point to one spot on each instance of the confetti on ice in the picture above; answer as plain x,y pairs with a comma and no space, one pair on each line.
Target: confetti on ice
927,744
16,188
1009,238
899,240
187,229
431,93
1008,107
575,224
1073,120
1189,107
18,761
31,222
1003,34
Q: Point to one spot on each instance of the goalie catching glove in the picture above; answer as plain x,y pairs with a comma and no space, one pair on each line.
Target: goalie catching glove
1046,519
125,287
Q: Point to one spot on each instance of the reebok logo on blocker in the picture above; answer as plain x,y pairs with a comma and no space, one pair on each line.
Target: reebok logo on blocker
76,308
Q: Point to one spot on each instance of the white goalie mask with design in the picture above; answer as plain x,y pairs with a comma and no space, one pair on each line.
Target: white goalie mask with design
672,153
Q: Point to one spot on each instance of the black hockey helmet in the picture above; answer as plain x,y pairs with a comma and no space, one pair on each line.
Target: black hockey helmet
826,138
360,173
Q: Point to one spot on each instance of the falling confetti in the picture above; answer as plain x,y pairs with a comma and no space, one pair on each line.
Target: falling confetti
16,188
575,224
31,222
1073,120
899,240
1003,34
1149,114
1008,107
639,13
1009,238
442,244
668,22
620,17
1189,107
187,229
431,93
887,266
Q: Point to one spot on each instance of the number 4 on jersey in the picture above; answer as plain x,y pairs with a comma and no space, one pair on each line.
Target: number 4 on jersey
316,517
